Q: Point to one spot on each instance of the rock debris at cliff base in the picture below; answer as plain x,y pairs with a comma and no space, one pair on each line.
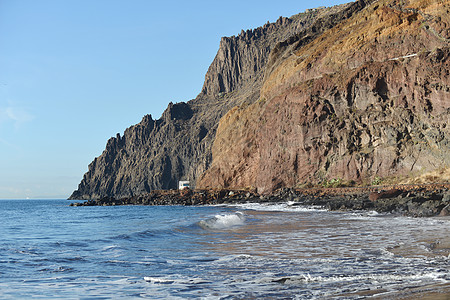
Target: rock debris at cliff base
413,200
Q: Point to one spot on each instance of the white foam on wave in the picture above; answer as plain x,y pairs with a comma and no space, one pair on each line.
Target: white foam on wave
374,278
362,215
236,257
159,280
175,281
286,206
110,247
223,221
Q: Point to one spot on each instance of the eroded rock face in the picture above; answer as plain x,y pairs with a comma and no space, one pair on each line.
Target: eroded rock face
156,154
369,97
352,92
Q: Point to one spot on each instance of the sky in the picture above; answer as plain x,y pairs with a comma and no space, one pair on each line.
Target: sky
73,73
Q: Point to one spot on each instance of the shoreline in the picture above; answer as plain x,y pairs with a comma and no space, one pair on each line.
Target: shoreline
417,200
438,291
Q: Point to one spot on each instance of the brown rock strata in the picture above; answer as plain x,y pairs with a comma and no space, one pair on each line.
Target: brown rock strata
370,97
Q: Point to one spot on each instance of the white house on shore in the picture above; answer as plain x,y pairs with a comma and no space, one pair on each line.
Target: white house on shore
183,185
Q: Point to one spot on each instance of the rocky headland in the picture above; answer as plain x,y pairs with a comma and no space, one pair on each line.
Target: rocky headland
357,94
156,154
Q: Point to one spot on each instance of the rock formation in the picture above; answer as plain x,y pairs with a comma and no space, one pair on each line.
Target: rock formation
353,92
155,154
368,97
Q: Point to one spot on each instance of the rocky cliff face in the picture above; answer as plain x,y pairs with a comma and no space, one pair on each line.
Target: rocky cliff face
241,61
354,92
368,97
155,154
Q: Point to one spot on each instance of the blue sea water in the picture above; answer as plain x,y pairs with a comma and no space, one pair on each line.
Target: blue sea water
49,250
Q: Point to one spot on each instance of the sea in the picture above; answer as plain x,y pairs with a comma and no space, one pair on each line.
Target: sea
50,250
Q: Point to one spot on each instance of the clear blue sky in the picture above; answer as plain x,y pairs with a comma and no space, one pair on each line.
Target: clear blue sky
73,73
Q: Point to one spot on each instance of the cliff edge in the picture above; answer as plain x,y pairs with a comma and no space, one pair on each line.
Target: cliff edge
156,154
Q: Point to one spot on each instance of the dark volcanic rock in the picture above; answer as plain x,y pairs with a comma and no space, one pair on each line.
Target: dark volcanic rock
426,201
445,211
156,154
175,197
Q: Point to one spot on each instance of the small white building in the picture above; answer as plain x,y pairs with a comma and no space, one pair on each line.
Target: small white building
183,185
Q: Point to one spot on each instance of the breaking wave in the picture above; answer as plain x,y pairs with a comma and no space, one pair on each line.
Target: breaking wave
223,221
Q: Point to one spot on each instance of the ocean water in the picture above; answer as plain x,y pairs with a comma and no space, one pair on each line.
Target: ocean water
49,250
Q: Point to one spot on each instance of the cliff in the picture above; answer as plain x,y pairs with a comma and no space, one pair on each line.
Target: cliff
367,98
355,92
156,154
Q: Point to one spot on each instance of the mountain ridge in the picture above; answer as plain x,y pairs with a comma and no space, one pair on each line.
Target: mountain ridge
355,92
155,154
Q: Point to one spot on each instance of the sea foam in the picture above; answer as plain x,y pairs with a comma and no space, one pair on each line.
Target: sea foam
284,206
223,221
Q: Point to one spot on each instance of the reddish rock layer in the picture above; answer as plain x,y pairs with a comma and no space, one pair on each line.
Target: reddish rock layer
369,97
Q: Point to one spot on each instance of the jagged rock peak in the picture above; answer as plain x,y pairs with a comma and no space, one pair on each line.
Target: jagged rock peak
241,59
147,119
177,111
